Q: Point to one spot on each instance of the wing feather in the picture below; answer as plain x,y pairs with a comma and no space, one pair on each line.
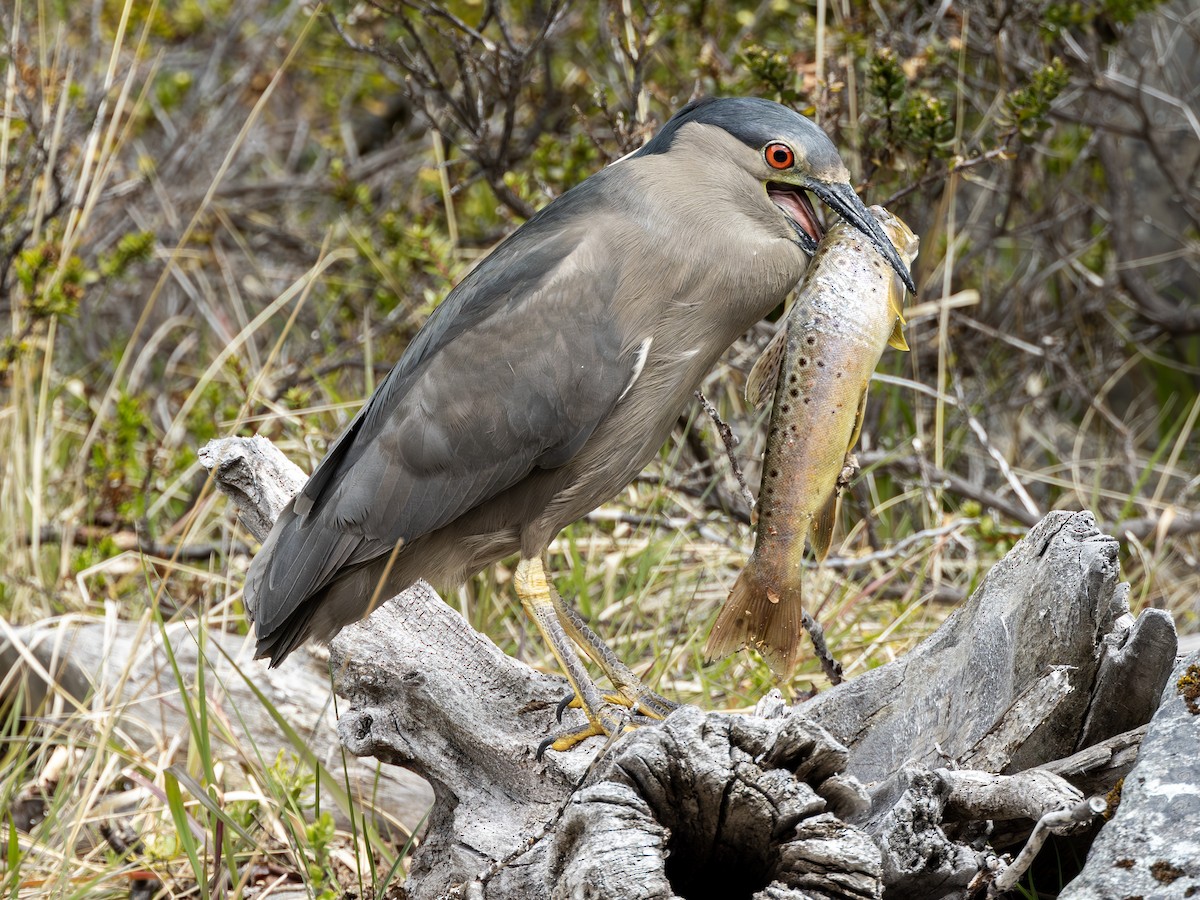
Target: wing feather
451,425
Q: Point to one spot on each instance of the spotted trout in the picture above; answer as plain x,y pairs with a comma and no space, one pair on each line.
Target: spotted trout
847,307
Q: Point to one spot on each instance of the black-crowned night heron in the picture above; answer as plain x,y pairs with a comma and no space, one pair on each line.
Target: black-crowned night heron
551,376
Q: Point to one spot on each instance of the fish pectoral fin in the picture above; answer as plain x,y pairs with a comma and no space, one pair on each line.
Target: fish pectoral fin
765,372
856,431
896,301
820,532
897,339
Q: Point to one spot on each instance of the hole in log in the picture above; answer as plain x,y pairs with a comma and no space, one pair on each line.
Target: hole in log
708,807
732,873
362,729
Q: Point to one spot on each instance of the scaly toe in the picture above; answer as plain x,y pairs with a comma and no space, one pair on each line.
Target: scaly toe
611,719
649,703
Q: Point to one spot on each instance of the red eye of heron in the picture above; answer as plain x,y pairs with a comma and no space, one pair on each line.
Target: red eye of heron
779,156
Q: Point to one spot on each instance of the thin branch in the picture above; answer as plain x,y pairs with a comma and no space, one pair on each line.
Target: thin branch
128,540
1178,523
1060,822
730,440
955,484
829,664
1001,463
847,563
1176,320
1002,153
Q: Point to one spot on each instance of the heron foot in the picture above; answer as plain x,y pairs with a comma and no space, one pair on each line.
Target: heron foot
630,705
636,697
610,720
631,691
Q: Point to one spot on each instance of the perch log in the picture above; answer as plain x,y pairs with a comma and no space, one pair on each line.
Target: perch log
859,790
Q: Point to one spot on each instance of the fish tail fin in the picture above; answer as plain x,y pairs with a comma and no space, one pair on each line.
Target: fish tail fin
758,616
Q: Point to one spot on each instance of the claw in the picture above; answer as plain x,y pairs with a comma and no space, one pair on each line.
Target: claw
642,701
568,739
653,704
543,747
610,720
569,700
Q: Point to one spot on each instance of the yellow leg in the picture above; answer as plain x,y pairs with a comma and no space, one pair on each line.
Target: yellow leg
538,600
631,691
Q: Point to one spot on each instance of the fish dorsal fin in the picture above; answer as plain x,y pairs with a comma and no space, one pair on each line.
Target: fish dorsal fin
764,374
820,533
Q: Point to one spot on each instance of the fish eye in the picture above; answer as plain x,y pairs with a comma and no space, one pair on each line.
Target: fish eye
779,155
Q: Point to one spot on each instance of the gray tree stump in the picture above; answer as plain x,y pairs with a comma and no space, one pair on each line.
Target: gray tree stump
1022,674
876,785
1151,847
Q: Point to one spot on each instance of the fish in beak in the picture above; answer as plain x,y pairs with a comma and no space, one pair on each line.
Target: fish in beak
841,199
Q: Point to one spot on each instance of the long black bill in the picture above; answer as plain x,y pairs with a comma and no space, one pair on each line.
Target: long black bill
842,199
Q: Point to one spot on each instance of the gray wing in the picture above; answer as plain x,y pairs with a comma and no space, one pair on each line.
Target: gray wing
514,371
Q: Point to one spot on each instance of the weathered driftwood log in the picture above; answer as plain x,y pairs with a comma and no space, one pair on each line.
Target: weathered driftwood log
60,662
914,813
1012,681
1017,675
1020,676
738,806
1151,847
1095,769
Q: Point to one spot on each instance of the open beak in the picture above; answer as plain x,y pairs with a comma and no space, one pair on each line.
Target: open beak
842,199
793,202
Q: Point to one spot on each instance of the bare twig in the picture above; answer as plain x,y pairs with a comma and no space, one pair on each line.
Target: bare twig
955,484
846,563
730,440
473,81
1001,463
1177,522
997,154
130,540
829,665
1172,318
1059,822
